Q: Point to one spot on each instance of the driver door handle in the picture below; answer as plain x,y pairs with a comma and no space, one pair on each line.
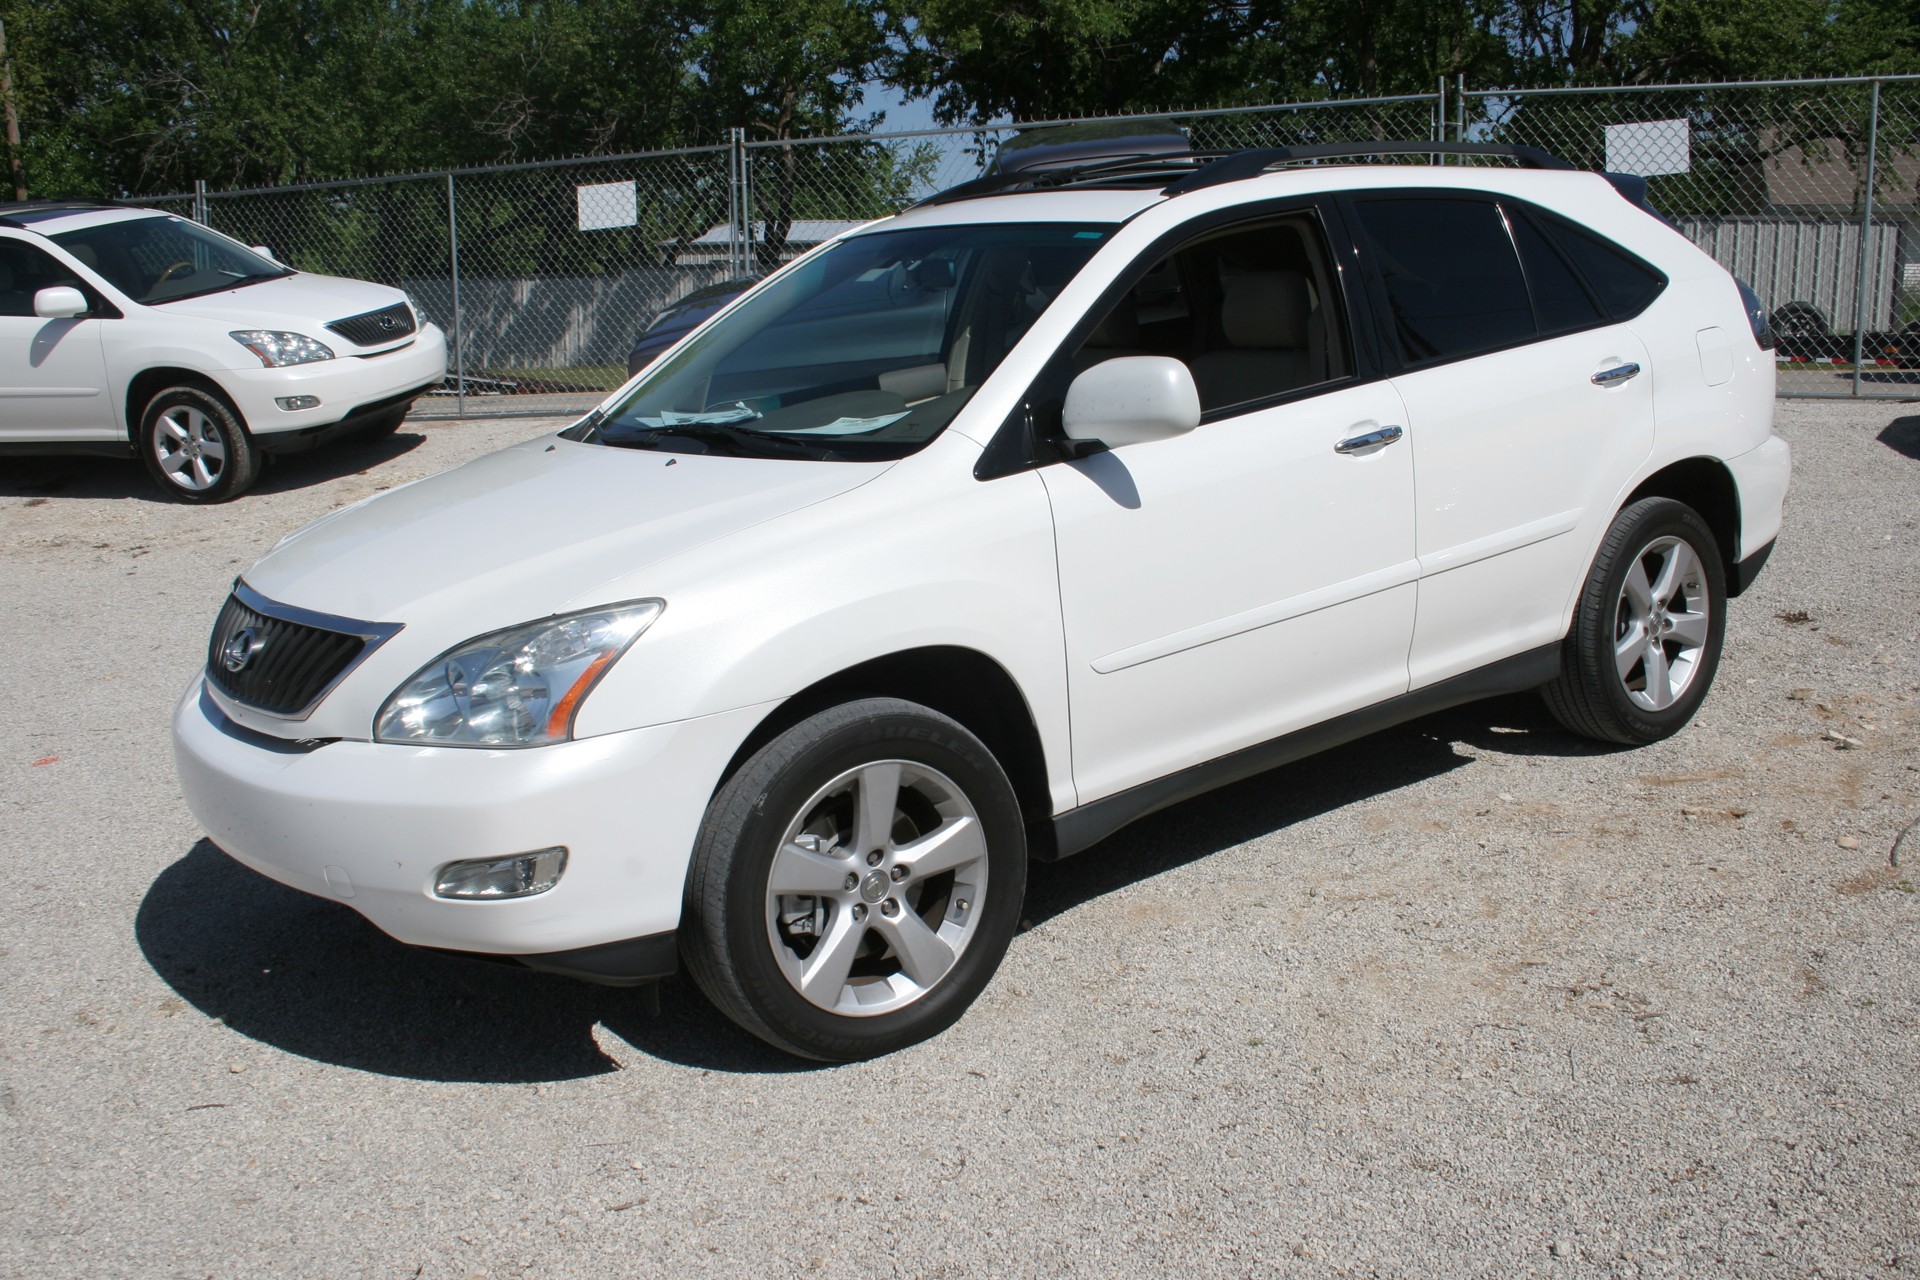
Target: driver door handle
1615,376
1378,436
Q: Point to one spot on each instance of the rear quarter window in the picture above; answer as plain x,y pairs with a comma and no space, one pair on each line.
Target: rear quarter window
1623,283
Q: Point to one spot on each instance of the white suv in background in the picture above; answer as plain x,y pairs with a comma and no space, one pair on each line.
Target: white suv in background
126,329
982,531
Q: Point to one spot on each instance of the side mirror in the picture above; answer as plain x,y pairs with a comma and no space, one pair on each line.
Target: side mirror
62,302
1131,400
265,252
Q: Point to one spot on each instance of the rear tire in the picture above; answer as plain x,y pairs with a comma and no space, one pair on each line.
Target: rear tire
856,882
1646,634
196,447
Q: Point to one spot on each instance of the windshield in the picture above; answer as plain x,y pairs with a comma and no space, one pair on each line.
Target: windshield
167,258
864,352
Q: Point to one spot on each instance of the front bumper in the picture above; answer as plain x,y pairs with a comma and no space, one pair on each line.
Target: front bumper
371,824
343,385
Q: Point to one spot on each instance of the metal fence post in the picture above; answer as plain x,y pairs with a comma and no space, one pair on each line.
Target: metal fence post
1440,115
1460,107
459,327
739,206
200,201
1866,238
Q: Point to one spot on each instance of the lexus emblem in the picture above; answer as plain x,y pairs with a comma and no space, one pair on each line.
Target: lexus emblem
240,648
388,324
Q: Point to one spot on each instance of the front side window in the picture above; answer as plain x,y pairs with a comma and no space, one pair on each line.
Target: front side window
1251,310
864,351
1452,281
164,259
25,271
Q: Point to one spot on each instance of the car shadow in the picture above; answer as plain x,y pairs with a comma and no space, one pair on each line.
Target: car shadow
1377,765
1902,435
311,977
79,476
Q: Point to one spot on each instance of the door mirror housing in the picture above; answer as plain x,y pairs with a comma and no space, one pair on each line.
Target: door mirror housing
264,252
1131,400
62,302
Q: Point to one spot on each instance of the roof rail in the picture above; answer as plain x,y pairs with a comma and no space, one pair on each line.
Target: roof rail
10,210
1248,164
1106,168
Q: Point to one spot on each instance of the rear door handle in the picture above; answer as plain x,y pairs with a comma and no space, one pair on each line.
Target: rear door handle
1378,436
1615,376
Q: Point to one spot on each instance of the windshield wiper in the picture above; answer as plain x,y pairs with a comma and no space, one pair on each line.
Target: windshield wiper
740,441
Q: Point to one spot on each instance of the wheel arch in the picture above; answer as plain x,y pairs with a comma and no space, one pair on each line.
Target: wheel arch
1706,485
962,683
148,383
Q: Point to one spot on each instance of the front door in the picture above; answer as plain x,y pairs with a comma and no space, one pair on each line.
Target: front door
1247,578
53,375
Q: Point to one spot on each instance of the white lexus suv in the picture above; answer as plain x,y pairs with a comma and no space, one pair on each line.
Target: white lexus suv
982,531
127,330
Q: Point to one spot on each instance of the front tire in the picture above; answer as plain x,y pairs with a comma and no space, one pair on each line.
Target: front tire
856,882
195,446
1646,634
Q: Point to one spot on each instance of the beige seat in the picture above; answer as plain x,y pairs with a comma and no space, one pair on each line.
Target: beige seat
1267,318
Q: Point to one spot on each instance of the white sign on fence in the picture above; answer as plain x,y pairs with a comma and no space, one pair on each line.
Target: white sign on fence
605,205
1650,148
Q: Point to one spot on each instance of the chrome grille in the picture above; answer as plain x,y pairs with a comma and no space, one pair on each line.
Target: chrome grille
371,329
290,663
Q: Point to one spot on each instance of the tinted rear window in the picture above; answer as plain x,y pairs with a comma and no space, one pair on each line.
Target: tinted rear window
1560,300
1624,284
1453,283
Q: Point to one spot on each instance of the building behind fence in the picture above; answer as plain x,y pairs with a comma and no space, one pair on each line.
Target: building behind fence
545,274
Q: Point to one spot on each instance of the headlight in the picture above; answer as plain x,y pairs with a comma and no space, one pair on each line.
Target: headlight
513,688
276,349
419,312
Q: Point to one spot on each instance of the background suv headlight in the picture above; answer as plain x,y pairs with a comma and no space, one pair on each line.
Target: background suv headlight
515,688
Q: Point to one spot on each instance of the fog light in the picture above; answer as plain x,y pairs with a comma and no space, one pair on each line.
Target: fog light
516,877
293,403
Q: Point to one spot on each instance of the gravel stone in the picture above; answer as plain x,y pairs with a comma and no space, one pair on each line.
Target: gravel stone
1470,997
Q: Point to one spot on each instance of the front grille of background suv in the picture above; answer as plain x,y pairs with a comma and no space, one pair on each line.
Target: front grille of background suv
372,328
295,657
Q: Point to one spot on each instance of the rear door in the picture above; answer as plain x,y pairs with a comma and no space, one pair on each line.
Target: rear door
1528,404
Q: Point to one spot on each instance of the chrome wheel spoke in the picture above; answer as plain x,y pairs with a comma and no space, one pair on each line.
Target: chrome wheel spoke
202,477
824,975
798,869
175,430
1659,677
877,795
954,843
1678,567
1689,629
1638,591
1631,647
924,955
212,448
175,463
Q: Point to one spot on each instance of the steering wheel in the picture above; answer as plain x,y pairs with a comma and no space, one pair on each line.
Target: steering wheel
168,273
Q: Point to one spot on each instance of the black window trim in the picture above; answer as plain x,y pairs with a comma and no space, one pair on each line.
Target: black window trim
1393,353
1016,446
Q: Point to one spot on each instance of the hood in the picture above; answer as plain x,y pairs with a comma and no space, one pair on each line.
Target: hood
307,299
531,531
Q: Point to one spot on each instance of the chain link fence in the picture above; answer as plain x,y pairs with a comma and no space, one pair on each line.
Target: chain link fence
546,274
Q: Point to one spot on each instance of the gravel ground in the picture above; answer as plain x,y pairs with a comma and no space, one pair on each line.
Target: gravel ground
1471,997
